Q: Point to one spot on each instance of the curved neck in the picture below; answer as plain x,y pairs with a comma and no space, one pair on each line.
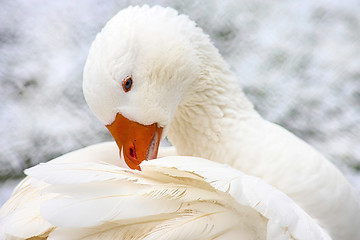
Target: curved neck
204,119
214,103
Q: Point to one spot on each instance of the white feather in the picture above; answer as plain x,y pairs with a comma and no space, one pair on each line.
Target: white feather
20,216
172,198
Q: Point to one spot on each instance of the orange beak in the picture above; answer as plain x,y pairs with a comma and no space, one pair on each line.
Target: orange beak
137,142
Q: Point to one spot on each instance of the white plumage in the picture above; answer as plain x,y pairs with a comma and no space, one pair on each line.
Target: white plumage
285,190
171,198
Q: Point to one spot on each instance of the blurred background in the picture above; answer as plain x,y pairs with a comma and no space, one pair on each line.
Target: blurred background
298,61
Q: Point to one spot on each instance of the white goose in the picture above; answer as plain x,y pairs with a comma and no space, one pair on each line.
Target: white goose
152,73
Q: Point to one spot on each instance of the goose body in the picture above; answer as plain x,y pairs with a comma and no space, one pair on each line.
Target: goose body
154,71
171,198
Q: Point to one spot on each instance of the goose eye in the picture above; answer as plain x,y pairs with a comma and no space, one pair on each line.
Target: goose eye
127,83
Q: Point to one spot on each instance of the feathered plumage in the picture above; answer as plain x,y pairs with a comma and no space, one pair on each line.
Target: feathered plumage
171,198
181,84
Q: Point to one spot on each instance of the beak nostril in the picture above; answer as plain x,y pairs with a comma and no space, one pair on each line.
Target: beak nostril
132,152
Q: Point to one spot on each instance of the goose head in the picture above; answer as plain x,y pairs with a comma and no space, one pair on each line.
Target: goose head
139,68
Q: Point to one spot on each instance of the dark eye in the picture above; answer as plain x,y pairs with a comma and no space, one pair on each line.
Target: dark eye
127,84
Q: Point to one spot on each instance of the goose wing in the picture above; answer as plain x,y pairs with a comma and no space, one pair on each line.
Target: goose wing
172,198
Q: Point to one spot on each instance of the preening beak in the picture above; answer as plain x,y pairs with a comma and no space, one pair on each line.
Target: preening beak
139,142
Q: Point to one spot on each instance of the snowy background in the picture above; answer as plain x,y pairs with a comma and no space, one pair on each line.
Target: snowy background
298,61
